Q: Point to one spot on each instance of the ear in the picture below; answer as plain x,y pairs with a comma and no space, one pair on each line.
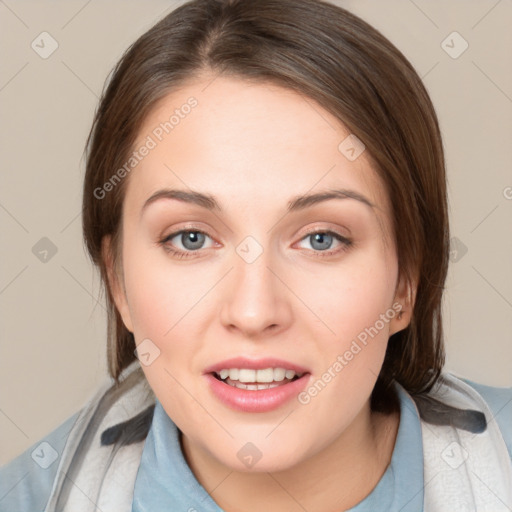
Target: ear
116,282
405,296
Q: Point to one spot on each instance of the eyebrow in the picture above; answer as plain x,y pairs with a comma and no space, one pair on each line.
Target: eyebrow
295,204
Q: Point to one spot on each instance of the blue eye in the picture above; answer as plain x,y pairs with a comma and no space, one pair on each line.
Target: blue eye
321,242
324,241
193,240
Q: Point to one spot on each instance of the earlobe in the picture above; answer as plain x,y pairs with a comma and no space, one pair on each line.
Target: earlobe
405,296
115,282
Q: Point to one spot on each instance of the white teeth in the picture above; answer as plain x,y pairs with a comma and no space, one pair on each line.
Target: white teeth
266,375
246,375
263,376
289,374
279,374
253,387
267,386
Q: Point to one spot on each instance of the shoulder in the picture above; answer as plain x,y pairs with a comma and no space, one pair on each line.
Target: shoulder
499,400
27,480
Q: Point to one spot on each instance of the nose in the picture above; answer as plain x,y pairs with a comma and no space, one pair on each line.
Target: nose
256,302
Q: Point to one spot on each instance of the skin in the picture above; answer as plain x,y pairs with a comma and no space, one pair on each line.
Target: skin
255,147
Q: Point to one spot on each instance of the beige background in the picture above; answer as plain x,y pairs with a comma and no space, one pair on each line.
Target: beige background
53,327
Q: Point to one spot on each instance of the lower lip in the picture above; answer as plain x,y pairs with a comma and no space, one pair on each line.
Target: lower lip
261,400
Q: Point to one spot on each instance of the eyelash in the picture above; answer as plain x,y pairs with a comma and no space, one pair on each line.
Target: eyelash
346,243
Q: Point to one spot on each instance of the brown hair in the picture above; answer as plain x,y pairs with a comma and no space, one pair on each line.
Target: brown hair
349,68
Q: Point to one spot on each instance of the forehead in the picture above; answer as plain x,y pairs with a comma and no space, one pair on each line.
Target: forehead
248,144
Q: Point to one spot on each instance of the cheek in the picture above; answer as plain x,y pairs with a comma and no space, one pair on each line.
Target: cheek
152,303
160,293
351,303
351,297
162,299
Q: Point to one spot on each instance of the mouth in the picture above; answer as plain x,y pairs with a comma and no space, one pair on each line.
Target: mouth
257,380
256,386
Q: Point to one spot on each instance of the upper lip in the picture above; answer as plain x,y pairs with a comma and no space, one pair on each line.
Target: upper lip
255,364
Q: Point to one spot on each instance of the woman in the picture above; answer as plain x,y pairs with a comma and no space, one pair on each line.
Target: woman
265,199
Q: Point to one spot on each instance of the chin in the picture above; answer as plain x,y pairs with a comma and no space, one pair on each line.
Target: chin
261,456
269,464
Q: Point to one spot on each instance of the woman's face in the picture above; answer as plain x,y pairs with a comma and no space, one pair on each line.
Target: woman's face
256,288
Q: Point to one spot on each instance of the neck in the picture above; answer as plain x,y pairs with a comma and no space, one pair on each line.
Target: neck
336,478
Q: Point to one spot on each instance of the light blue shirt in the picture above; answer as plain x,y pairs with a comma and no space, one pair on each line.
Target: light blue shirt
164,477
